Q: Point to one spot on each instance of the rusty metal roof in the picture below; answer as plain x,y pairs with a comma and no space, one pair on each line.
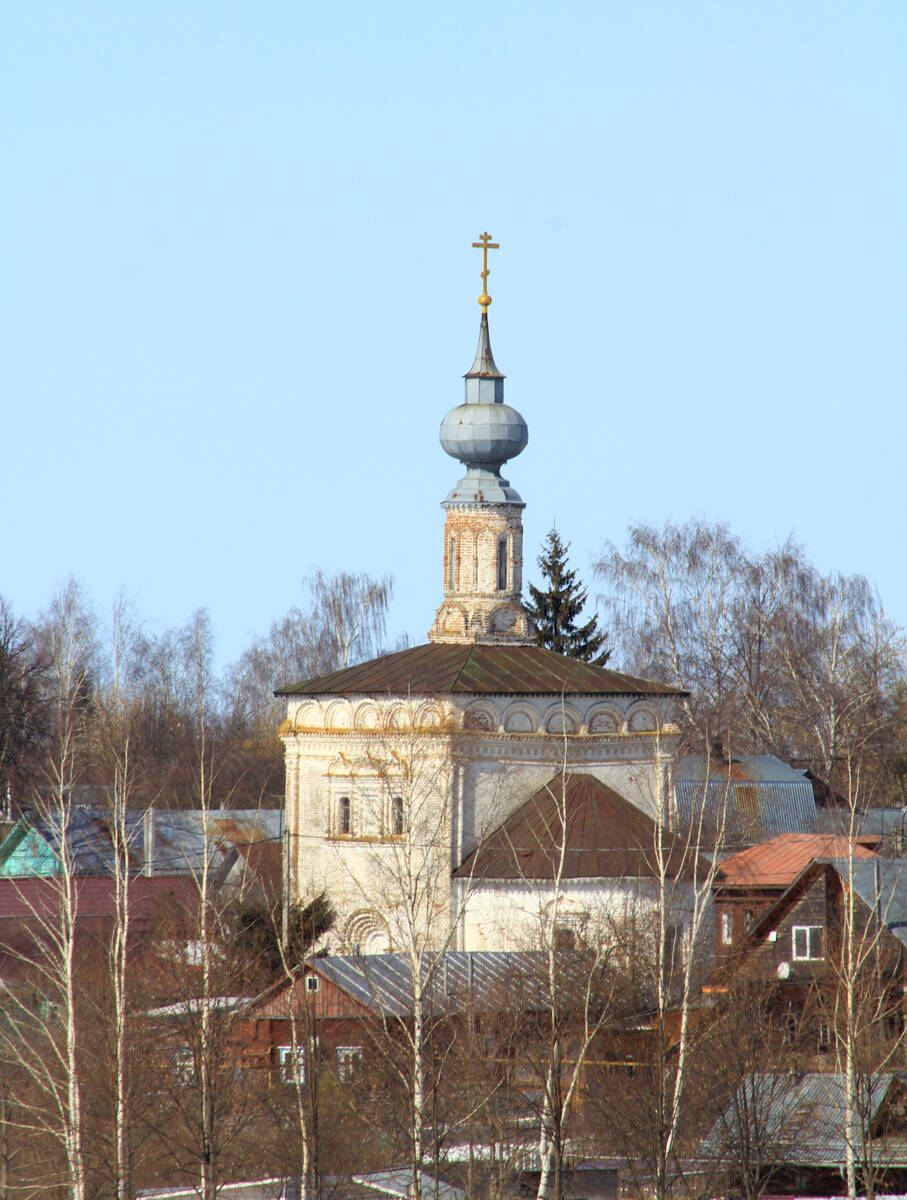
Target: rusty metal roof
604,837
469,669
776,864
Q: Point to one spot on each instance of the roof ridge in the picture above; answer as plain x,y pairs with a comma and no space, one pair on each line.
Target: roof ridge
462,667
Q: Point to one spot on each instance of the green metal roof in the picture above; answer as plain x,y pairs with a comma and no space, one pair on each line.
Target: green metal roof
440,669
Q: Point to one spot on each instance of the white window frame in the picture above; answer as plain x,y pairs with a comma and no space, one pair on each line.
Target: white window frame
291,1062
349,1060
184,1066
727,929
313,983
813,938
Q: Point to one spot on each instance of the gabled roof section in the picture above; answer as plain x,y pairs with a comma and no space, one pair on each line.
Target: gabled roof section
881,885
803,1118
179,842
604,836
728,813
383,983
443,669
777,863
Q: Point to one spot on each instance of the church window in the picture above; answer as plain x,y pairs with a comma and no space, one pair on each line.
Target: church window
344,815
452,564
502,564
397,816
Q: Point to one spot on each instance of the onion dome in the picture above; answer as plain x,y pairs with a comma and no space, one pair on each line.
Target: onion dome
483,432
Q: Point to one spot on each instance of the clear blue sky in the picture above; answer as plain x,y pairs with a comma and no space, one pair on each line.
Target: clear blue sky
239,294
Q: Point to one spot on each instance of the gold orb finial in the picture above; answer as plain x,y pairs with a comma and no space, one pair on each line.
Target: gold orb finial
485,244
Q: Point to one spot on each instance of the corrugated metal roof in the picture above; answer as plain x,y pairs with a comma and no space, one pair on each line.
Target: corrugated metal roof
397,1183
778,862
801,1118
744,813
179,841
383,982
604,836
470,670
743,768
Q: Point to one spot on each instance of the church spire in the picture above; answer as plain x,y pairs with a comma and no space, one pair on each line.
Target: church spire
483,532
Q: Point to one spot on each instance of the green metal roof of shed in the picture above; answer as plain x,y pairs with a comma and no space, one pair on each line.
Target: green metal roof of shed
436,669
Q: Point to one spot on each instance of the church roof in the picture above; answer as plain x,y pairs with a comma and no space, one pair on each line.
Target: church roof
606,837
472,669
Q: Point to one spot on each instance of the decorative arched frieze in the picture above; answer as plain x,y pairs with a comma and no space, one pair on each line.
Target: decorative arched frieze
452,619
521,718
605,718
309,716
482,716
339,715
642,718
367,716
341,765
428,715
398,715
562,718
506,618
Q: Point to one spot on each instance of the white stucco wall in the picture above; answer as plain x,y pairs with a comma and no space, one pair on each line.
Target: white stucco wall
469,762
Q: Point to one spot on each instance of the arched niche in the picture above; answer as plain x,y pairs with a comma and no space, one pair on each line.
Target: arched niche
309,716
482,717
521,718
429,716
398,716
506,618
367,716
452,619
339,715
562,718
605,718
642,718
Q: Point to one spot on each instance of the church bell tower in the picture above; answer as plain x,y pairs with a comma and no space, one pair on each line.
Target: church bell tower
483,530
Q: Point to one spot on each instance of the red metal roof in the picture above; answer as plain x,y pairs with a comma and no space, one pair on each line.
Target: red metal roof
606,837
776,864
500,670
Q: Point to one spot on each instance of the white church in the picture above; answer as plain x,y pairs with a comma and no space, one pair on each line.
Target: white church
459,785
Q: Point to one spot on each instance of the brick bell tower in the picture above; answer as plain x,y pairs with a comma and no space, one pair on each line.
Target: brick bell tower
483,530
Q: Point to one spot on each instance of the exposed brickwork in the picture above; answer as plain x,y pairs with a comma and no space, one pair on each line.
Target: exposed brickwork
483,547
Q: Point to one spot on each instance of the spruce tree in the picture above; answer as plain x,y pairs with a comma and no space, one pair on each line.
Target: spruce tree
555,609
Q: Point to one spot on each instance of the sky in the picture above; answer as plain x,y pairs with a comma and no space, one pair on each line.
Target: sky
239,292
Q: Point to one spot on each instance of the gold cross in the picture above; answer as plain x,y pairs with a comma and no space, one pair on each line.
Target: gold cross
485,244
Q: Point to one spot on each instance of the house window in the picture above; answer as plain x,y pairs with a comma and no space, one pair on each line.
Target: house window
184,1066
727,931
397,816
451,564
791,1027
502,564
349,1060
344,815
312,983
806,943
749,919
291,1061
823,1039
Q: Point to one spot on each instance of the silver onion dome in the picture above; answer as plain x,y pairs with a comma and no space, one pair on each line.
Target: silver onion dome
483,432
